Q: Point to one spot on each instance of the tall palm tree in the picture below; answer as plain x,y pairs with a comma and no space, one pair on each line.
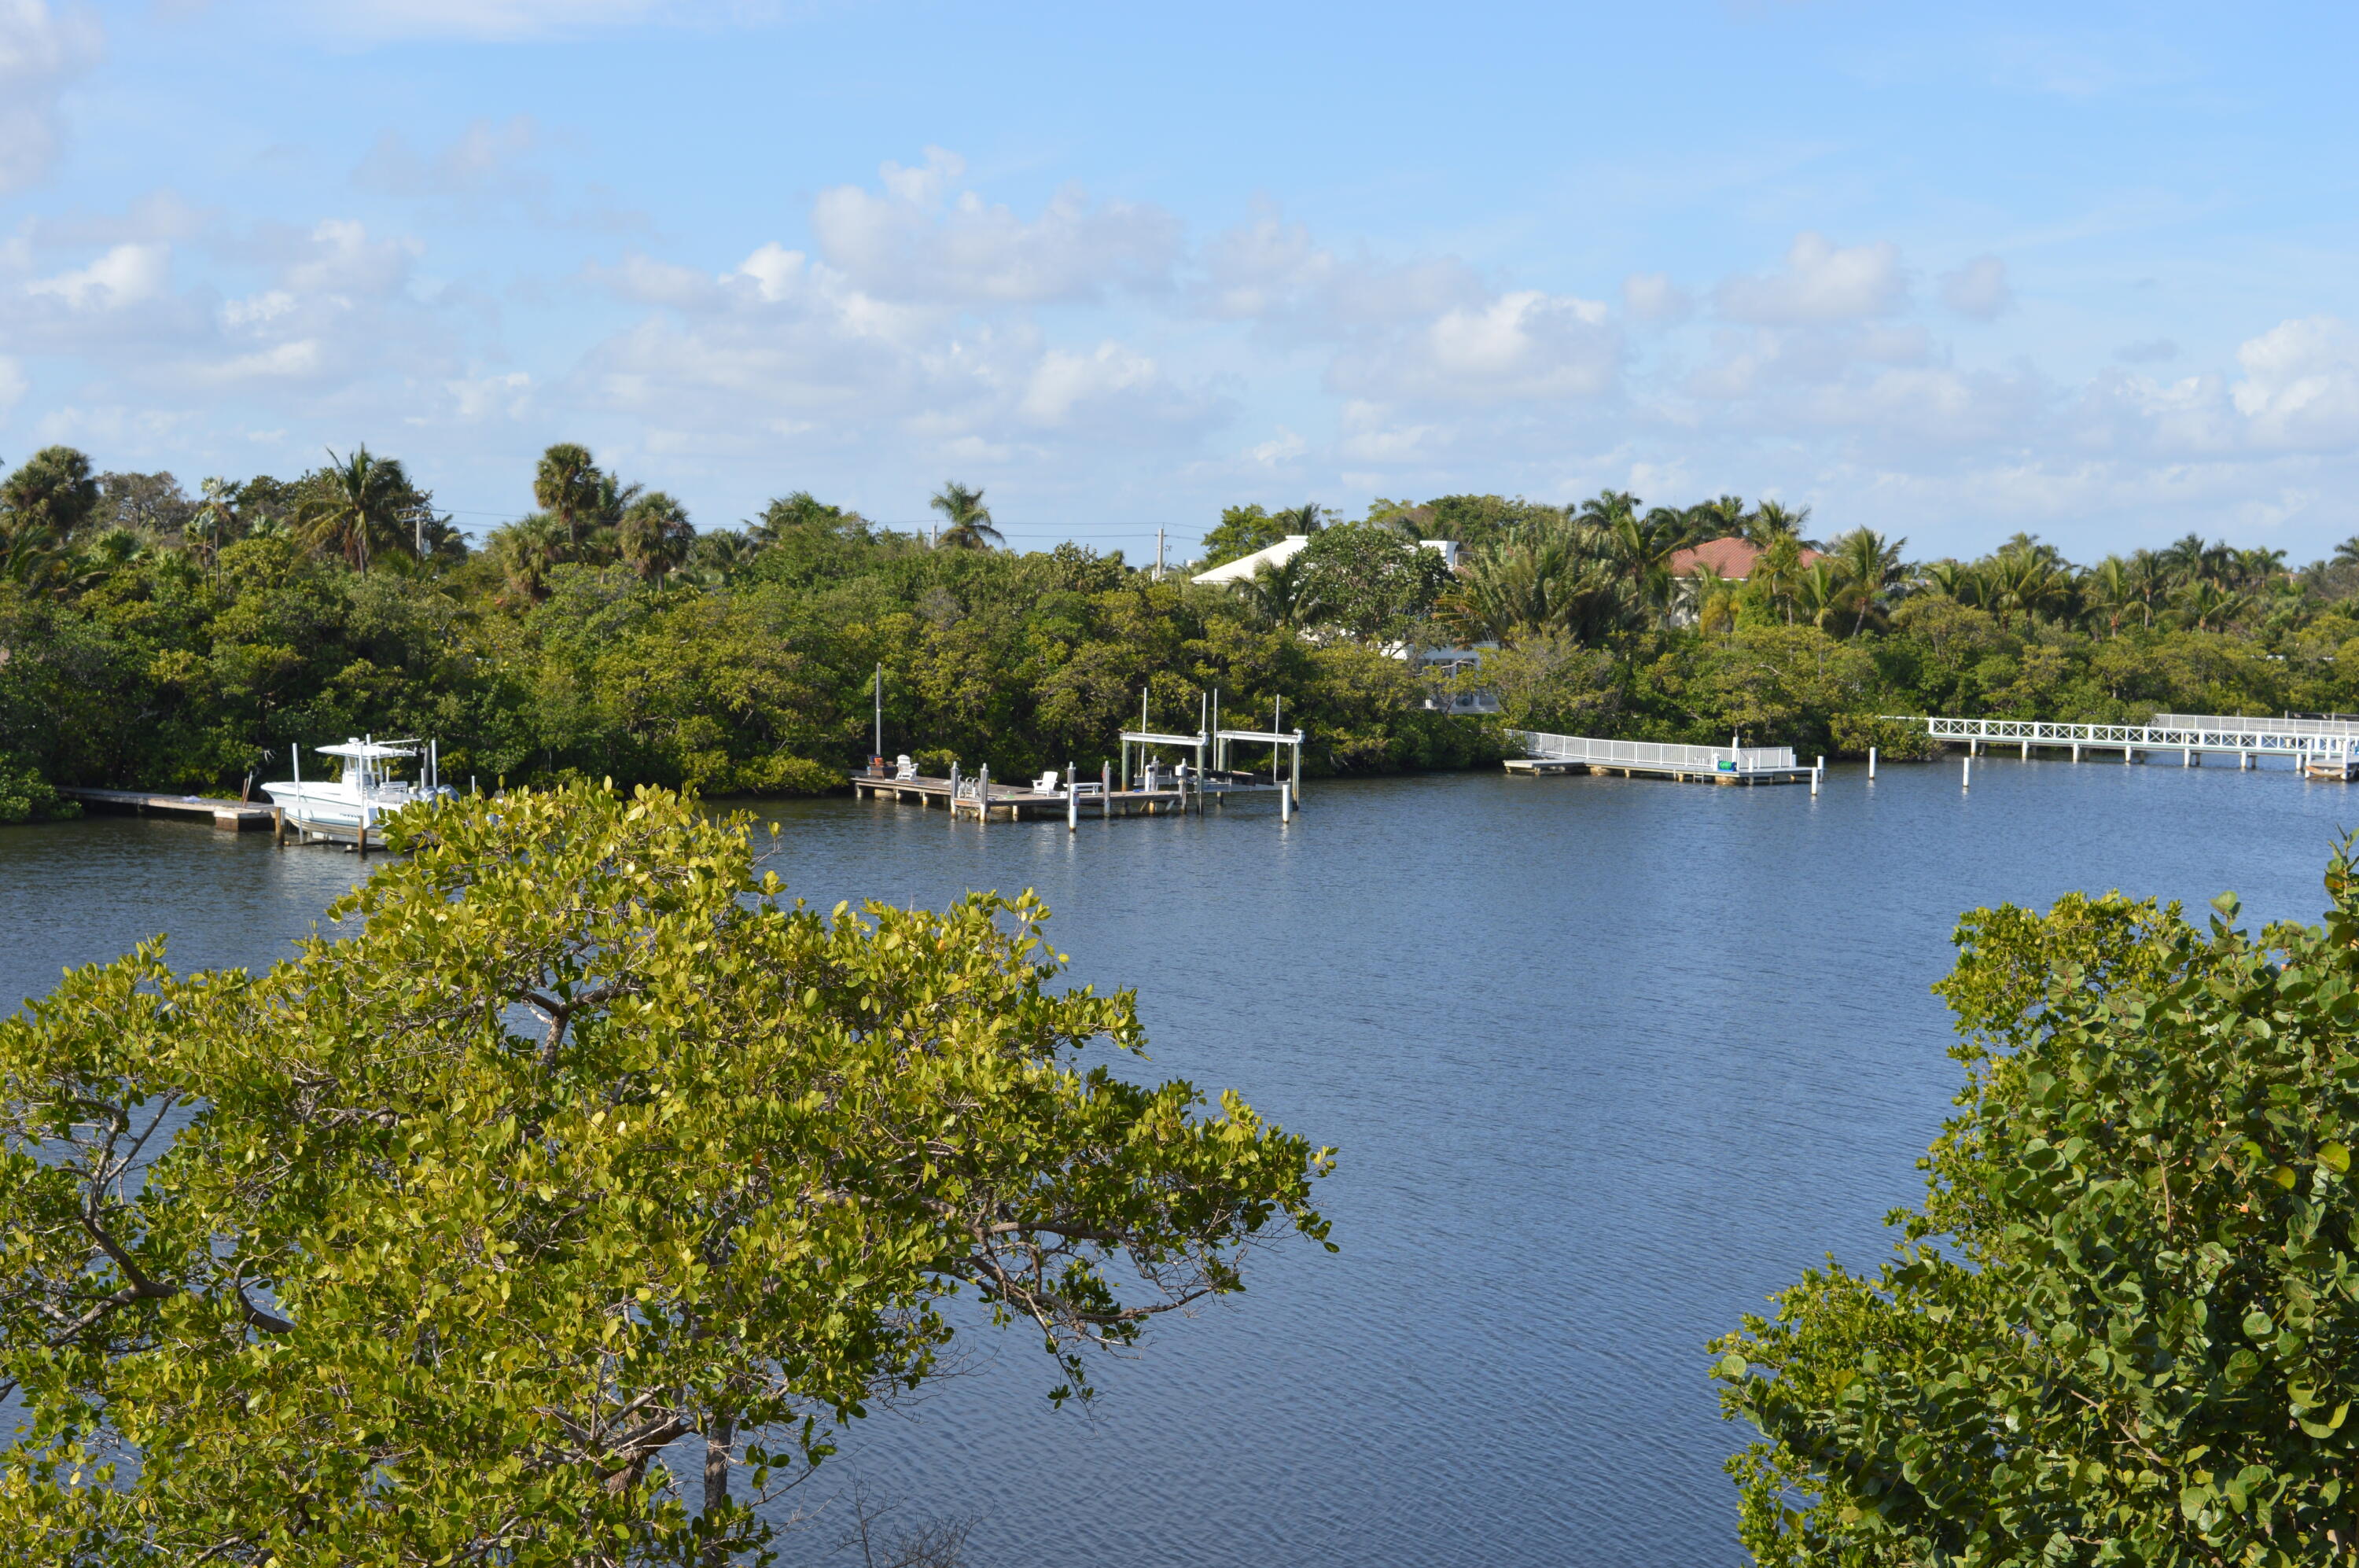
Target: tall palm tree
1778,572
1869,565
362,501
1311,517
969,519
1718,517
568,486
1773,520
2111,592
1821,592
653,535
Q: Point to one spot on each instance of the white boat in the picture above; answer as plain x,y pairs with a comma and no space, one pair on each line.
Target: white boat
365,793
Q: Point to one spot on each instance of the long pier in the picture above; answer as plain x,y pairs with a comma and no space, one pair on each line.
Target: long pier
1660,759
2192,735
233,816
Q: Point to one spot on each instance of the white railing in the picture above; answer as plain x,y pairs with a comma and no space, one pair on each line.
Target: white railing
2187,733
1661,754
2234,724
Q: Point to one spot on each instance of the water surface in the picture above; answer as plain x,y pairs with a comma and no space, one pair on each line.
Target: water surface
1606,1063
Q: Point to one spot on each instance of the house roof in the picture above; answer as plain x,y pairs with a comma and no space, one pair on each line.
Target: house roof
1729,557
1242,569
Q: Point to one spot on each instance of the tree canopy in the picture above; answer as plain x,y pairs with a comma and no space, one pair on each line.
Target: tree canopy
2124,1327
423,1245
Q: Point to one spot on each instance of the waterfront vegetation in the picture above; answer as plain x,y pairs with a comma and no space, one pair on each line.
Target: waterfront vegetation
2124,1327
582,1145
153,637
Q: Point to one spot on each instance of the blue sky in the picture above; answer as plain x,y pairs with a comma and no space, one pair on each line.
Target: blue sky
2082,272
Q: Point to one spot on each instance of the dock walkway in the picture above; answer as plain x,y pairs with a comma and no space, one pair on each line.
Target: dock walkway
234,816
1656,759
1010,802
2192,735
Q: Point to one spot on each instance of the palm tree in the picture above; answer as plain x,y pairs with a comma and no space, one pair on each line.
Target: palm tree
653,535
1822,591
1777,570
1311,517
969,520
361,500
1870,566
568,486
1274,594
527,551
1773,520
1718,517
1569,580
2111,592
2203,605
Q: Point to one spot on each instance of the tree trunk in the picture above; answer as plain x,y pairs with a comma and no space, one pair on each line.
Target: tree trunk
716,1462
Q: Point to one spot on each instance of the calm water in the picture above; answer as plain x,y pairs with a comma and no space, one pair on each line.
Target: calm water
1606,1062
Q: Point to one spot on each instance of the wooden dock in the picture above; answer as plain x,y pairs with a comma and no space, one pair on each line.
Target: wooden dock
1015,803
232,816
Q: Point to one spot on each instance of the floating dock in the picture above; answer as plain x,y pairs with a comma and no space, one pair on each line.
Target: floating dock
1658,760
232,816
1015,803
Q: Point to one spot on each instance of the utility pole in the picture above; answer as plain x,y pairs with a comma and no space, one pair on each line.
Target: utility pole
1159,555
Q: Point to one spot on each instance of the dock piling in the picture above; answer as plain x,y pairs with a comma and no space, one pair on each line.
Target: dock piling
1966,771
279,827
1285,804
1871,764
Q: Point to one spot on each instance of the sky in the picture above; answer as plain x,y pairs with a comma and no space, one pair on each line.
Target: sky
1947,272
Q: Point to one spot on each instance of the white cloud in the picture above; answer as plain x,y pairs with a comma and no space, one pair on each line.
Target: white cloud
1653,297
491,396
917,240
40,51
2302,384
1281,448
1518,347
1820,282
339,257
126,276
1978,289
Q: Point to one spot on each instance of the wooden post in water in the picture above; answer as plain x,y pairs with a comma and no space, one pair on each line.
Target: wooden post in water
279,827
1285,804
953,789
363,833
1966,771
982,793
1871,764
1297,768
1072,801
1105,791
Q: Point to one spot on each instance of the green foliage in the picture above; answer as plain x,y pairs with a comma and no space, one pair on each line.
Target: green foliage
1368,582
2124,1326
333,1265
26,797
1241,531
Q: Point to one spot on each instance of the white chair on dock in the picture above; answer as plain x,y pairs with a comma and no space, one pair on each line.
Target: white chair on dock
1046,783
903,768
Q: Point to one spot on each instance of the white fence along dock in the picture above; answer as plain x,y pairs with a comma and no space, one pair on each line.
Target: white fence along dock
2192,735
1660,759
